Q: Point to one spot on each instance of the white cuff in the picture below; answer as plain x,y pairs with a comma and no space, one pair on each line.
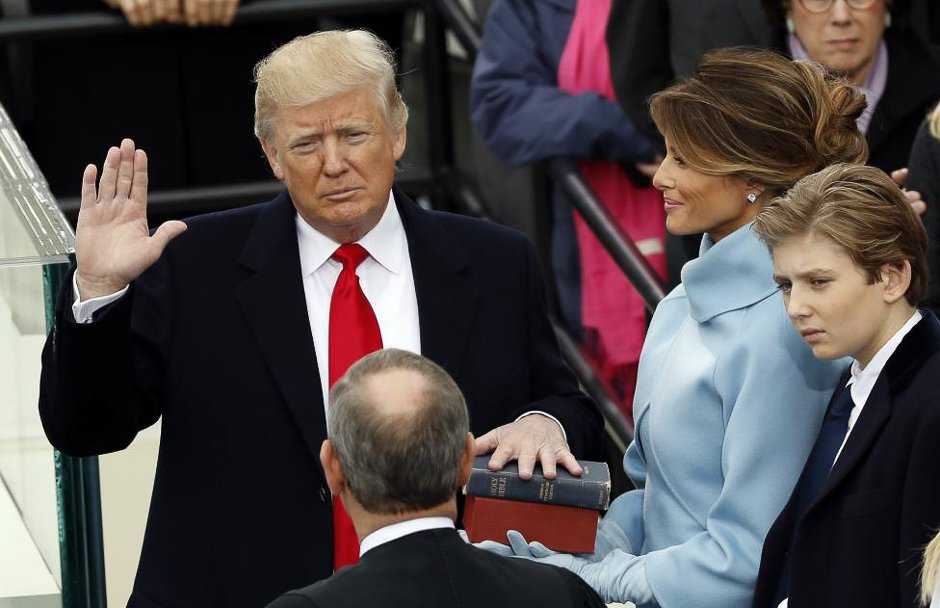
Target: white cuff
83,312
564,435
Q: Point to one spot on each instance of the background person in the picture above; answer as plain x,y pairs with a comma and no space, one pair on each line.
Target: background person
729,399
234,332
850,257
541,89
869,43
399,447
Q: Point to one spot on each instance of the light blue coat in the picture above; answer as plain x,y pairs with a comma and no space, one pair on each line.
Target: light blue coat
728,404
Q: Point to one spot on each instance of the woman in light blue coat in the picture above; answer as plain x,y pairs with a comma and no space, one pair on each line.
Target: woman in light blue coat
729,398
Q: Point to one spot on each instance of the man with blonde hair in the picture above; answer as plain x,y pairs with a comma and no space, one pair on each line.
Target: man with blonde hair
235,332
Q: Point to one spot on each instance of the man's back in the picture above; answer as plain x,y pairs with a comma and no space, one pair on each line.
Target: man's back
435,568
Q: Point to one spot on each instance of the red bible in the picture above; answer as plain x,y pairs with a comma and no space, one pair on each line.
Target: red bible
558,527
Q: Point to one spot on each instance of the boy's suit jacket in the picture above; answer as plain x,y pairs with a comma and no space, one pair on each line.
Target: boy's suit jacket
860,542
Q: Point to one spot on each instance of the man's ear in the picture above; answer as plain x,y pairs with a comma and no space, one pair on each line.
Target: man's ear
401,138
895,281
466,463
271,153
335,478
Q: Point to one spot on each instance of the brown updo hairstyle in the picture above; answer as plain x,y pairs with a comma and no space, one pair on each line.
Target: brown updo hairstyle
861,210
755,114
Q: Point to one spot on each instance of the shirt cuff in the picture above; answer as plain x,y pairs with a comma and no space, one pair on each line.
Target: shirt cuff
84,312
564,435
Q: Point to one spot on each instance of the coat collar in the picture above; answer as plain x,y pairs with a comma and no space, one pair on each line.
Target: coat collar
917,347
734,273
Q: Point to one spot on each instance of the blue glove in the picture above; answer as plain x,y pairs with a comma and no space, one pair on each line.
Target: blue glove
617,576
494,547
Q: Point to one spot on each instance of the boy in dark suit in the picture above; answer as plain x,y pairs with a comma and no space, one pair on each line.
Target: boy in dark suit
850,258
399,445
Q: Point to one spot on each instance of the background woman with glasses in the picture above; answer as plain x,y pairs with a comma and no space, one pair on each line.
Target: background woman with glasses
869,43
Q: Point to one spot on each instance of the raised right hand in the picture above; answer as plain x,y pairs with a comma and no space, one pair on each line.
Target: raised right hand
113,245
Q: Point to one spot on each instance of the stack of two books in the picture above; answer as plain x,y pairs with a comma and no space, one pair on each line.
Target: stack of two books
560,513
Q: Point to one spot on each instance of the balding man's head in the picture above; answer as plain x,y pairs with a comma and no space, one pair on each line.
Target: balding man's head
399,425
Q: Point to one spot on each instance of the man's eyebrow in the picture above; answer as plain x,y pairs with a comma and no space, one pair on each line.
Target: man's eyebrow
306,134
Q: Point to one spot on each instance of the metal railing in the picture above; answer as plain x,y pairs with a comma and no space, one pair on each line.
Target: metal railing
583,198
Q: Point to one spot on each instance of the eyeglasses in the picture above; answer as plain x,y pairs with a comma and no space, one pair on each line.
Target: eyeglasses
821,6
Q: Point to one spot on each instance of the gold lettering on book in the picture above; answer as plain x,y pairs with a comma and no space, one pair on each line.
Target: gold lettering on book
546,491
498,487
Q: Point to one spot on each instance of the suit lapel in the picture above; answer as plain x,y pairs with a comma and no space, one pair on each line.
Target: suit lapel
874,415
915,349
446,298
273,301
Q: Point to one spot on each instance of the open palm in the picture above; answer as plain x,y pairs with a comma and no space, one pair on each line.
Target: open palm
113,245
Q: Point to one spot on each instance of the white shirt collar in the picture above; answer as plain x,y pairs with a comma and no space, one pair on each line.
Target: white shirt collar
404,528
385,243
863,380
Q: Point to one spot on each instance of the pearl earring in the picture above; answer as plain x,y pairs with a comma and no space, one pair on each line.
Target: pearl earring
790,27
887,20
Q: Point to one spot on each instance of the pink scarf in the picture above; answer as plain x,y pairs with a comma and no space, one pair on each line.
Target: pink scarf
611,307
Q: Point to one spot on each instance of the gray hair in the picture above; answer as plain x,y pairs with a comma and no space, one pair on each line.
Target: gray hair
323,64
396,462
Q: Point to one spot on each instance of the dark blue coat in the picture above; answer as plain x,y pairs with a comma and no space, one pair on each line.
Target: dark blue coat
515,100
524,117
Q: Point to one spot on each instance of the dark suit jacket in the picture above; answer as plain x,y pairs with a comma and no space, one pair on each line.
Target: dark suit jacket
436,569
215,339
860,542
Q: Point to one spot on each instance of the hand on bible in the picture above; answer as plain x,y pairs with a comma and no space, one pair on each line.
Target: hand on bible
113,245
527,439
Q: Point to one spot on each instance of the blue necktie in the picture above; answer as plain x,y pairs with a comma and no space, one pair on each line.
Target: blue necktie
817,468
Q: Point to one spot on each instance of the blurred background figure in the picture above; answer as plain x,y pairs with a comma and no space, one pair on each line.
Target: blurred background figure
925,178
655,42
869,42
541,88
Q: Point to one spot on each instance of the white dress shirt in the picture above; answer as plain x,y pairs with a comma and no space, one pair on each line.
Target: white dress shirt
863,379
404,528
385,277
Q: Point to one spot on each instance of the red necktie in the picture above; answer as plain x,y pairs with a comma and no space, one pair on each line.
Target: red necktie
354,333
